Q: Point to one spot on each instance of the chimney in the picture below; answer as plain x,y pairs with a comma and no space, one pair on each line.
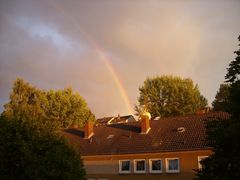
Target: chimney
88,130
145,122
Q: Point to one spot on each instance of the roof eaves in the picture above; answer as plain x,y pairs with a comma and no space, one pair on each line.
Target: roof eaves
154,152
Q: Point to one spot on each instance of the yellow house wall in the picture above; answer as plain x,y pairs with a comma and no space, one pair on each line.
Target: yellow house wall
107,166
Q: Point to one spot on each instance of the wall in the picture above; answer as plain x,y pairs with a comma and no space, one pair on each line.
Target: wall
107,166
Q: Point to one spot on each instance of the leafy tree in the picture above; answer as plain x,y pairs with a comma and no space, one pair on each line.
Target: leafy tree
168,95
224,136
221,101
31,146
28,103
60,108
68,108
234,68
234,98
29,152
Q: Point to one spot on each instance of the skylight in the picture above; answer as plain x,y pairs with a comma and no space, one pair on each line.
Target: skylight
110,136
157,118
181,129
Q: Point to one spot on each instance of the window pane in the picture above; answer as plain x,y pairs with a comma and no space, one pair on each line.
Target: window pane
200,158
173,164
125,165
156,165
140,165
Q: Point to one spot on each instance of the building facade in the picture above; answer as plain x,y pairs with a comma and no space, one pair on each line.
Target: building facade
167,148
168,165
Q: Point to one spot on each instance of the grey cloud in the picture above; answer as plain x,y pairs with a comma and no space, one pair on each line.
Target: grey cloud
188,38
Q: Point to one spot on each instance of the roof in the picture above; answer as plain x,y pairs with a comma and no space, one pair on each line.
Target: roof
114,119
179,133
104,121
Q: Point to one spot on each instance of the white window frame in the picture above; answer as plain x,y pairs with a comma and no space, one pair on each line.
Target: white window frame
150,166
120,166
167,165
135,166
199,160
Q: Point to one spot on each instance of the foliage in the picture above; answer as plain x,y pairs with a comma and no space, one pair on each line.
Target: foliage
224,163
68,108
53,109
29,152
30,145
234,98
221,101
27,102
234,68
168,95
224,136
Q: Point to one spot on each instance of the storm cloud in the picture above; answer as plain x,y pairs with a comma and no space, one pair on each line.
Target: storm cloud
50,45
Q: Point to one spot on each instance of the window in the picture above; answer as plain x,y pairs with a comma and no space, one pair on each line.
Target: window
140,166
155,165
110,136
200,158
124,166
172,165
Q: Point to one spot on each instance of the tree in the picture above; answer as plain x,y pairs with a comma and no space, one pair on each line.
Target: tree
224,136
29,152
31,146
59,109
234,68
221,101
167,96
68,108
28,103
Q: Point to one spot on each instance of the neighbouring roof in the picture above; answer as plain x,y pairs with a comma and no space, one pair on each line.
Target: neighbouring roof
103,121
115,119
179,133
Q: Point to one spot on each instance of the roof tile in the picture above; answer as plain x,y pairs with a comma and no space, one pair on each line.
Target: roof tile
163,136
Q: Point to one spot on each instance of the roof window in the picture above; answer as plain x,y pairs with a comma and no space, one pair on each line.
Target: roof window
157,118
110,136
181,129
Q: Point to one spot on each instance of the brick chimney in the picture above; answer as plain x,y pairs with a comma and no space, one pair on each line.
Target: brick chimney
88,130
145,122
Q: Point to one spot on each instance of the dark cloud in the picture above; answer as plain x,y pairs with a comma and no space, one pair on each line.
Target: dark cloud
50,44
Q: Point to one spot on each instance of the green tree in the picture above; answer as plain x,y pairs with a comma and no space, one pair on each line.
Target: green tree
58,109
234,68
29,152
167,96
224,136
221,101
28,103
31,146
68,108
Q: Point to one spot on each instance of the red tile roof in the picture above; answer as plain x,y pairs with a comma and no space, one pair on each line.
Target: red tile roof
179,133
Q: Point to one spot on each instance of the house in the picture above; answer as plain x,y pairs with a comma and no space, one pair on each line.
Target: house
115,119
166,148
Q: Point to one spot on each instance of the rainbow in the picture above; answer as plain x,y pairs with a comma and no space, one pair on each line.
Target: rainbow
101,54
116,79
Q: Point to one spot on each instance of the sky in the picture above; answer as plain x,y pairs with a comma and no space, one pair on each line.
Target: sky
105,49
